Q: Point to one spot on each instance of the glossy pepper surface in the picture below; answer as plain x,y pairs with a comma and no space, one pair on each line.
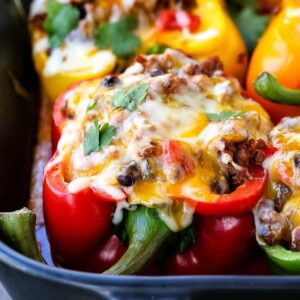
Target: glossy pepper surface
278,53
77,223
221,245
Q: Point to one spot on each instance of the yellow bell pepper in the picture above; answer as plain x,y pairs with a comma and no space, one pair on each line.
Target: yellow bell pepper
216,36
278,53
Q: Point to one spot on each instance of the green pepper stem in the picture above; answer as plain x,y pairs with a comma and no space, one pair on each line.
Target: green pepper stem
269,88
147,234
17,229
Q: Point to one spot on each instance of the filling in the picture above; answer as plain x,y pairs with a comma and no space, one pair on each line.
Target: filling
88,36
166,130
278,213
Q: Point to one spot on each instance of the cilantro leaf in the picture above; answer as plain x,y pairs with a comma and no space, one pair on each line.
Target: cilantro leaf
156,49
97,137
129,99
91,139
92,103
224,115
61,20
107,132
118,36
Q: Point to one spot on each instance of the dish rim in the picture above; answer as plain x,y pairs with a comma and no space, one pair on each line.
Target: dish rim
21,263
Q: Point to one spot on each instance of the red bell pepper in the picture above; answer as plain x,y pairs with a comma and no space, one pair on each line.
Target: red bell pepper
59,115
242,200
78,222
222,244
176,19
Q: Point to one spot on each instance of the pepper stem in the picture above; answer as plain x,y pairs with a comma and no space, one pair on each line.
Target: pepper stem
147,234
269,88
17,229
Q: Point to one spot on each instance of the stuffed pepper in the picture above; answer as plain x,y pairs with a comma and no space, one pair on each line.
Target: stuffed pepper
77,40
278,53
277,214
161,155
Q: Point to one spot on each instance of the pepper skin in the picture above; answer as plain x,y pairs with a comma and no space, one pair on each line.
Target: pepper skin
242,200
216,36
278,53
76,223
283,261
222,244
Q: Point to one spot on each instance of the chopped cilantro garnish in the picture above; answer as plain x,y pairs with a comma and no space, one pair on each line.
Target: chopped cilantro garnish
92,103
119,36
129,99
61,20
224,115
97,137
156,49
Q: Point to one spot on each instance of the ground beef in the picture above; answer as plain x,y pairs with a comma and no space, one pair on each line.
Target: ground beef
159,65
207,67
283,192
236,177
245,154
274,228
152,150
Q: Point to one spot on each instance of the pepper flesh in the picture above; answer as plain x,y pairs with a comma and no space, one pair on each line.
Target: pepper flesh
277,53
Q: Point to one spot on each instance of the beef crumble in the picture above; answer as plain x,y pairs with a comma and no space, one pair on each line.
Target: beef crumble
245,154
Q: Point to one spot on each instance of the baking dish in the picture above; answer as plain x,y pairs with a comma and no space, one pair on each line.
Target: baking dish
26,279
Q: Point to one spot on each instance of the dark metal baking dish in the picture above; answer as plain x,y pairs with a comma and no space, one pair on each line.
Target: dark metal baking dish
27,279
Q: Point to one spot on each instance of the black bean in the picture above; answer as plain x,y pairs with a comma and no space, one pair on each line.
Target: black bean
283,192
126,180
109,81
297,160
220,186
156,72
129,174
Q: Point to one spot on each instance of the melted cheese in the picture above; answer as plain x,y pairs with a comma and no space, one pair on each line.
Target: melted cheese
79,55
286,137
179,116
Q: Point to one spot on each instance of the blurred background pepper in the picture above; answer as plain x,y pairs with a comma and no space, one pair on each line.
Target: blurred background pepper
278,53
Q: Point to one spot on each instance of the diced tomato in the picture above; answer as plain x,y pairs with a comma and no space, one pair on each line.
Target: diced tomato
176,19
